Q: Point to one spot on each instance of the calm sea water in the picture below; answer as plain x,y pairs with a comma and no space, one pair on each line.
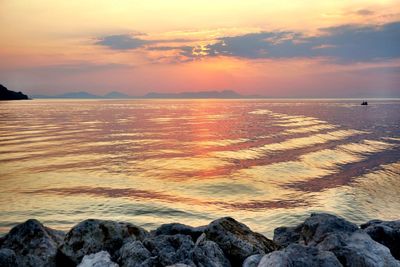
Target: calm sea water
266,163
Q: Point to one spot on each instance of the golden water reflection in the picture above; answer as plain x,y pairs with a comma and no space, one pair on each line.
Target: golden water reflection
265,162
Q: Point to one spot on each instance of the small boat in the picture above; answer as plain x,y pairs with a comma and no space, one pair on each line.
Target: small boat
364,103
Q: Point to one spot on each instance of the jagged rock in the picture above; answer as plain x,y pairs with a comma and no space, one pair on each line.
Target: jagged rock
207,253
237,240
33,244
358,249
7,258
385,232
178,228
171,249
91,236
284,236
318,225
322,240
134,254
99,259
296,255
253,260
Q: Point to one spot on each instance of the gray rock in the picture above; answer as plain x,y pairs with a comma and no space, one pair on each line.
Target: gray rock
92,236
284,236
178,228
358,249
7,258
296,255
171,249
385,232
207,253
253,260
134,254
237,240
99,259
33,244
179,265
318,225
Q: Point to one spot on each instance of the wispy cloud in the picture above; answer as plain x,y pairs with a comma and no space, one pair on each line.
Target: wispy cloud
121,42
365,12
130,42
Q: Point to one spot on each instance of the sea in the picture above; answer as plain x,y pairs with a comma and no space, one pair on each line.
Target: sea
267,163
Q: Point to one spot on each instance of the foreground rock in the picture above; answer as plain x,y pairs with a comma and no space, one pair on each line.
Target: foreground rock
313,230
386,233
351,246
296,255
32,244
253,260
92,236
171,249
321,240
7,258
358,249
178,228
134,253
237,240
207,253
99,259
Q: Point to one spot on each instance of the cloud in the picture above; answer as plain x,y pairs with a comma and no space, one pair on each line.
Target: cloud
122,42
365,12
346,43
128,42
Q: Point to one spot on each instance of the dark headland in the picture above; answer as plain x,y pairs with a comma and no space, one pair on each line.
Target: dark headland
321,240
6,94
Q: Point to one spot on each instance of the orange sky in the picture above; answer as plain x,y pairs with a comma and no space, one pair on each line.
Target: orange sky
272,48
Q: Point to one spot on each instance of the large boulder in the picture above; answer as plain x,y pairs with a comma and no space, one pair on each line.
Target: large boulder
385,232
352,246
358,249
171,249
135,254
178,228
237,240
207,253
284,236
316,227
312,230
296,255
7,258
92,236
33,244
99,259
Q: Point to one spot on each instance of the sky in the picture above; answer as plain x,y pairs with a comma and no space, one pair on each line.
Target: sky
271,48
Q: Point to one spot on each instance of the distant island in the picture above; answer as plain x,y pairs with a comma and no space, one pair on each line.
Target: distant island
6,94
201,94
225,94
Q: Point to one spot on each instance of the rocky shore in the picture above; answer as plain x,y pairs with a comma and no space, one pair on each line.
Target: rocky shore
321,240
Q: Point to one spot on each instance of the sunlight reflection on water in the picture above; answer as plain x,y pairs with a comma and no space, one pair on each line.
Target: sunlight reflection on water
265,162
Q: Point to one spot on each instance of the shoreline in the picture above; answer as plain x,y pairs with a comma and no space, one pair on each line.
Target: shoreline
321,240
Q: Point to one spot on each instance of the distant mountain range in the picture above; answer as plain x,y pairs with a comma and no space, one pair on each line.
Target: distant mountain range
226,94
6,94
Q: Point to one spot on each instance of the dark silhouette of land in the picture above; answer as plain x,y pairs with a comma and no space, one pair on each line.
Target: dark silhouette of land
6,94
71,95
